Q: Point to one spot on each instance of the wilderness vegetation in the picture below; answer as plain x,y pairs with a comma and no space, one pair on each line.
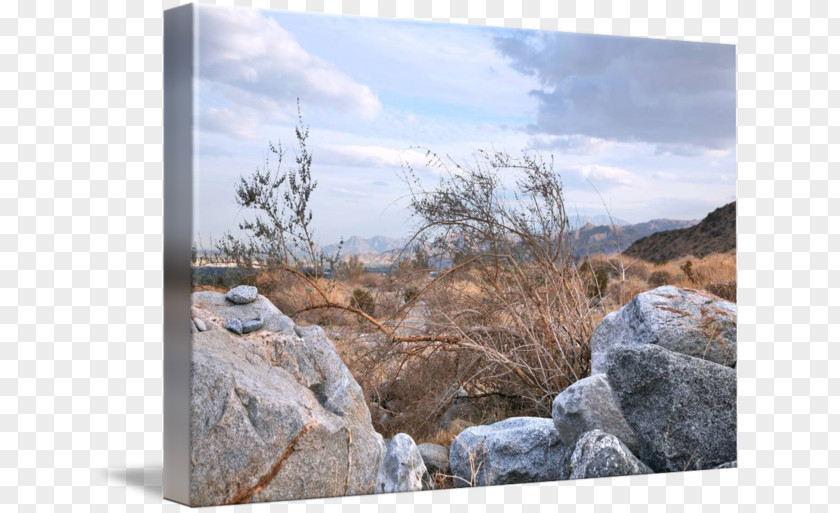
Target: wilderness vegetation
506,322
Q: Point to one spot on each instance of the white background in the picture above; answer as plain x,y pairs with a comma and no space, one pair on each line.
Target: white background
81,184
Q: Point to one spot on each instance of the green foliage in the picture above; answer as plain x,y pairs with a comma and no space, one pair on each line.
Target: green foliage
363,300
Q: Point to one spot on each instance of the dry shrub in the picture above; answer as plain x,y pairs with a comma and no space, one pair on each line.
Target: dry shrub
715,268
621,292
513,307
660,278
727,290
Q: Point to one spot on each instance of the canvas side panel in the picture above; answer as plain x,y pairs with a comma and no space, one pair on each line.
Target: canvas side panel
178,30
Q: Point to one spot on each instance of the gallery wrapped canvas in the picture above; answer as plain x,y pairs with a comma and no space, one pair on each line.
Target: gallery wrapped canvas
405,256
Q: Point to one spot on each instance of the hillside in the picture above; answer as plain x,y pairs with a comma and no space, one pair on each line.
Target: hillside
590,239
714,234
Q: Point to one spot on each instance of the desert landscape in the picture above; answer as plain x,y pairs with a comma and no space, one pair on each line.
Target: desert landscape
493,344
473,257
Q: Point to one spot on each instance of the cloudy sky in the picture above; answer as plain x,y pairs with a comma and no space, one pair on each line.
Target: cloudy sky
647,124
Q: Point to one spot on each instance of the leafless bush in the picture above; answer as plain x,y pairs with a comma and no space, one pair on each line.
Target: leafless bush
513,303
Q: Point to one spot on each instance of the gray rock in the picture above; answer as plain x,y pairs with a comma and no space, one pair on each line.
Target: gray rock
685,321
215,309
599,454
199,324
193,327
275,417
402,468
234,325
459,416
243,294
436,457
590,404
682,409
252,325
728,464
515,450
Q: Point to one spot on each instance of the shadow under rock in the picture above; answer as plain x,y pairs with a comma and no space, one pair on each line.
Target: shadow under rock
149,480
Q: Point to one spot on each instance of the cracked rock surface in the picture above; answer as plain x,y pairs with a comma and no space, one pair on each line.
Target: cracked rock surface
275,414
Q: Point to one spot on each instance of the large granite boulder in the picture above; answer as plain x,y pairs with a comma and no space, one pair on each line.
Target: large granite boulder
599,454
686,321
515,450
590,404
682,409
402,468
276,414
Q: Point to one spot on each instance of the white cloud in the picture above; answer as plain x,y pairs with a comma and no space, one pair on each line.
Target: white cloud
370,156
601,173
251,65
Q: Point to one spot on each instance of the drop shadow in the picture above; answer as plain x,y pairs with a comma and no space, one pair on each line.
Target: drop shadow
149,480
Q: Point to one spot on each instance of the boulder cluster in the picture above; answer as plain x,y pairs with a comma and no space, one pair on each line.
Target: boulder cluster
277,415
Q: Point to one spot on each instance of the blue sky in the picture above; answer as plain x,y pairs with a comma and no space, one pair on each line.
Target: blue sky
648,125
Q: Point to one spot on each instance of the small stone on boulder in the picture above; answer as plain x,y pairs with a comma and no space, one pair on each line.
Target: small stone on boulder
590,404
252,325
599,454
243,294
199,324
235,325
402,468
515,450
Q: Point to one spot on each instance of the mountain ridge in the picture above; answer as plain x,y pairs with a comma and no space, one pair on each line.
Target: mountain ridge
714,234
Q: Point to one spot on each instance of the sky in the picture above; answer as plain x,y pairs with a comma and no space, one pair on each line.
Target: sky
644,127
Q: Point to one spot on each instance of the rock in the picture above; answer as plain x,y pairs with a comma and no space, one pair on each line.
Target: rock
252,325
459,416
515,450
193,327
243,294
682,409
599,454
590,404
402,468
234,325
275,415
215,309
436,457
199,324
682,320
728,464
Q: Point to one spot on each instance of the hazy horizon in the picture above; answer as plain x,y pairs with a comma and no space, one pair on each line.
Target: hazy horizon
648,124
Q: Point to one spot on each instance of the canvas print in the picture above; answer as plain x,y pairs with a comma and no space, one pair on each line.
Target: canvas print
428,256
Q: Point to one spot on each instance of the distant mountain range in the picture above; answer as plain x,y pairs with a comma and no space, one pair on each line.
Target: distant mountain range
591,239
587,239
714,234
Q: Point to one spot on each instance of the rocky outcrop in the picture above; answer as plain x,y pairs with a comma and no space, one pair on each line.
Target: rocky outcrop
515,450
436,457
590,404
599,454
681,320
682,409
275,414
402,468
